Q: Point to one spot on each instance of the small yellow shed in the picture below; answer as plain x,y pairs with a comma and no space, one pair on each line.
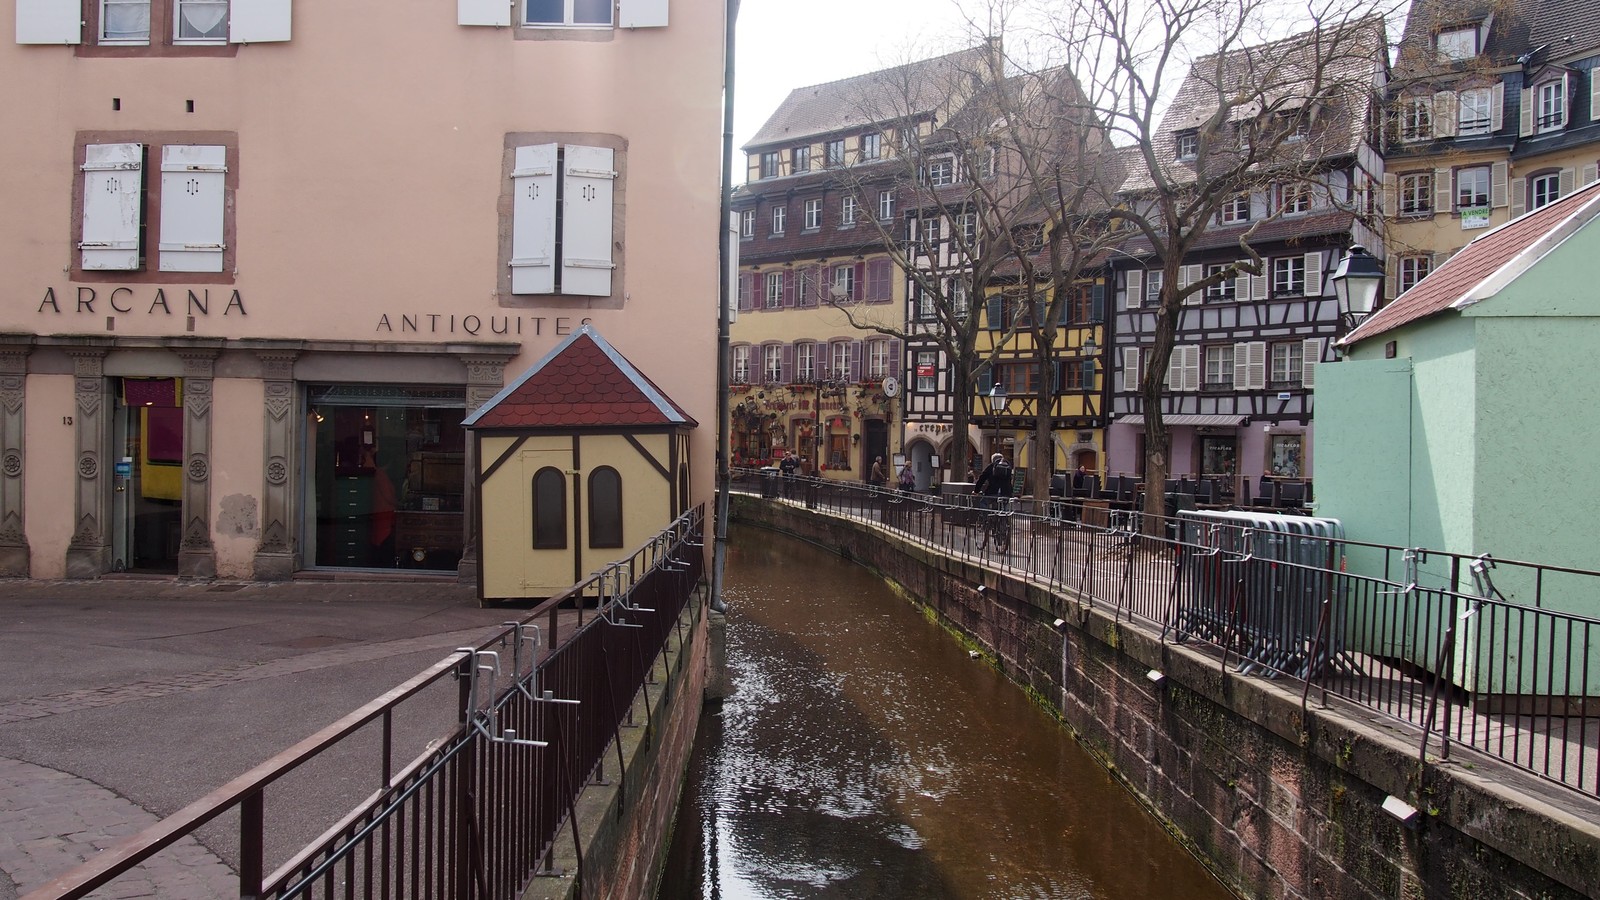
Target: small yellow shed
579,460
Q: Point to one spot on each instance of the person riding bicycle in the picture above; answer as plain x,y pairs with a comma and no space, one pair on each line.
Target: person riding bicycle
995,481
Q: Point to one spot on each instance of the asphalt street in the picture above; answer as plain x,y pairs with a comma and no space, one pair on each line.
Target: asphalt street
122,701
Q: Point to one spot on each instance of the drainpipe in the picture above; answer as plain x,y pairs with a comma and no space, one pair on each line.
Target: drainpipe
719,553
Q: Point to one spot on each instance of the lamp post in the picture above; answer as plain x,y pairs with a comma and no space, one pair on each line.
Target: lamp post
996,398
1355,284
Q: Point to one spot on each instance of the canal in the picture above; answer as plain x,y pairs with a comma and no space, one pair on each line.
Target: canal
865,753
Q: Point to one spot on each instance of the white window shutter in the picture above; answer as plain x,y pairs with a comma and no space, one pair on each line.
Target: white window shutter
1443,190
1519,196
1497,106
1174,381
1566,99
1444,114
1191,367
1314,274
1241,366
1391,194
1391,276
1589,176
483,12
1241,283
1255,366
1525,127
1130,368
193,196
113,206
258,21
1594,96
588,182
1258,284
642,13
1133,297
1190,275
533,220
1310,355
49,21
1497,184
1565,181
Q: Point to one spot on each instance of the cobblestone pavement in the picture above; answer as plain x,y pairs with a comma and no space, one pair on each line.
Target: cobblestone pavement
122,701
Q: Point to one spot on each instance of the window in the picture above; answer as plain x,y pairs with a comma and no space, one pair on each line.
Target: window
741,364
1188,144
986,161
871,146
1019,378
1416,119
1080,305
747,223
191,225
930,232
549,509
201,21
1544,189
774,299
805,362
1288,275
1416,194
1472,187
769,164
125,21
885,205
1152,287
1412,270
844,282
878,357
927,373
1219,367
1284,455
548,13
967,223
847,211
772,364
800,160
1474,112
564,226
1551,111
605,508
805,287
1235,209
1456,44
1288,363
1294,198
940,171
839,367
779,214
958,299
835,153
813,218
1223,291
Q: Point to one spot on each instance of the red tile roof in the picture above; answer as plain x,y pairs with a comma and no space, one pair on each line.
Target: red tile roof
583,382
1501,252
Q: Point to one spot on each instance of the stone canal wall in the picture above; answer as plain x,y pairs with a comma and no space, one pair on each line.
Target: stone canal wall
1279,800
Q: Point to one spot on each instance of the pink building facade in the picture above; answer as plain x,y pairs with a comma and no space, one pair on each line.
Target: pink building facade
261,259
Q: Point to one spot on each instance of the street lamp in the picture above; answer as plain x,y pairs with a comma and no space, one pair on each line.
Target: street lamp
1355,283
996,398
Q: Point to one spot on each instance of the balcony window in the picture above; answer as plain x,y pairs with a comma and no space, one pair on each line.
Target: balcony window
1416,119
1472,187
1416,194
1551,111
1474,112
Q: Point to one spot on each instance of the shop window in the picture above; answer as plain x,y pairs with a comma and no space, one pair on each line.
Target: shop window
1285,455
549,509
605,508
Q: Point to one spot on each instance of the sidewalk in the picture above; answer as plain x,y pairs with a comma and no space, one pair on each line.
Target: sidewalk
122,700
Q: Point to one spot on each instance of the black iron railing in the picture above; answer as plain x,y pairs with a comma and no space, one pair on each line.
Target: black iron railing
1495,655
540,705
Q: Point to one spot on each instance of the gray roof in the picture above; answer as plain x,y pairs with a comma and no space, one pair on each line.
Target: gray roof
1567,27
912,90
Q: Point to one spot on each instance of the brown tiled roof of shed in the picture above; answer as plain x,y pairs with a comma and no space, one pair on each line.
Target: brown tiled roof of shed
1454,284
584,382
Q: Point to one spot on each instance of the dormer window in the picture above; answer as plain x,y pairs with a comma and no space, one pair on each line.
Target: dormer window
1551,112
1188,144
1457,44
1474,112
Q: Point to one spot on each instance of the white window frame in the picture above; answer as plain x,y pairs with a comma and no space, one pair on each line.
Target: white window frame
1288,276
813,215
847,210
1294,198
771,165
178,22
1474,112
1480,177
928,233
1551,112
1224,291
568,14
772,363
747,224
967,225
805,362
833,153
885,205
1543,190
1416,119
1235,210
1152,287
1288,364
780,216
800,159
105,19
741,364
927,384
843,277
1457,44
878,359
1412,270
958,298
773,299
1416,194
1219,367
839,360
940,171
871,145
1186,144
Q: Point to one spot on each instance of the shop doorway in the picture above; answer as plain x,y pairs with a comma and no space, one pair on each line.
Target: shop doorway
147,475
876,442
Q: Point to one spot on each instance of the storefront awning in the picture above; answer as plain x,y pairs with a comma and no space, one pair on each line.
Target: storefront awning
1184,419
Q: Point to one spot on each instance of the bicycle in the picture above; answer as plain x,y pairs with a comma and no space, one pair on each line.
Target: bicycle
997,524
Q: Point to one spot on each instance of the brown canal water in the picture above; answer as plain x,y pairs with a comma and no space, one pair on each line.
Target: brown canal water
863,753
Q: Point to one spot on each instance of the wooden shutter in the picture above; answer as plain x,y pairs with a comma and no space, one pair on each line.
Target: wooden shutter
113,206
993,313
483,12
1097,303
1259,289
895,350
1391,195
259,21
985,381
880,280
1189,275
1497,184
1519,196
1594,96
193,195
1497,106
1241,282
1310,355
788,299
49,21
1314,274
855,360
1525,127
747,292
533,220
1391,276
1191,367
641,13
1241,366
1130,368
1174,379
1589,176
1133,297
786,365
1443,191
588,182
1255,365
1444,114
1565,181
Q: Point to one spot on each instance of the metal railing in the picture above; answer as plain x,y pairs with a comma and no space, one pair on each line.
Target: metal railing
1494,655
539,708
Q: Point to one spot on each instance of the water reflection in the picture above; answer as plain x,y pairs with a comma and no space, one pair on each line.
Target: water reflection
864,754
